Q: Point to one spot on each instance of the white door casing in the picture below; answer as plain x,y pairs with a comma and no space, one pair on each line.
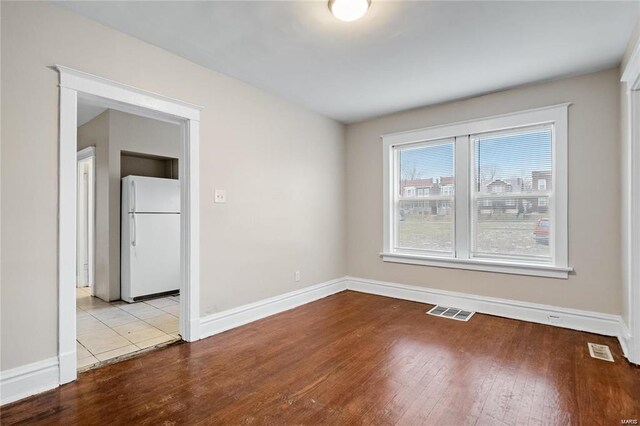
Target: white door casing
631,203
76,84
86,219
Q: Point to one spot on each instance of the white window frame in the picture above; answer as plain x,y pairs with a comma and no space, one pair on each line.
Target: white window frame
557,115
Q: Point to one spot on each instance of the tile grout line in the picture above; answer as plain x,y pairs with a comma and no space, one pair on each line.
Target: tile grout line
164,334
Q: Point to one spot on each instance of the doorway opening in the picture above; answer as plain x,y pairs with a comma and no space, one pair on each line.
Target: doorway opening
85,264
148,312
132,304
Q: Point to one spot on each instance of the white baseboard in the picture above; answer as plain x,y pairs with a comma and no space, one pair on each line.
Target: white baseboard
625,339
593,322
232,318
67,367
28,380
40,376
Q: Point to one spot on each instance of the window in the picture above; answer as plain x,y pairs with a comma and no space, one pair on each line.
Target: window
509,160
498,194
409,191
426,226
542,185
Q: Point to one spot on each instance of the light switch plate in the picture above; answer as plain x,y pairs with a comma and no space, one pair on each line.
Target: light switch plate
220,196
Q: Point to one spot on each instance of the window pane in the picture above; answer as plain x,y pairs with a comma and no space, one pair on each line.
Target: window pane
425,225
503,232
426,189
512,194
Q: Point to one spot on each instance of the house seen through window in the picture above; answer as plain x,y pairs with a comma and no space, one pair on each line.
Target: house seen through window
486,192
516,165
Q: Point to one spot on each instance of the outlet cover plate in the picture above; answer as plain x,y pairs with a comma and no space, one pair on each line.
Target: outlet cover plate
220,196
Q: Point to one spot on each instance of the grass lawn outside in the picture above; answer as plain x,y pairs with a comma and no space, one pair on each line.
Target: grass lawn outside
497,234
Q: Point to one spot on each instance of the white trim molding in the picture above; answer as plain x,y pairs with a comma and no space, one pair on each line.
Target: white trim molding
534,269
76,85
631,72
67,176
28,380
592,322
460,136
87,152
236,317
625,338
41,376
100,87
631,204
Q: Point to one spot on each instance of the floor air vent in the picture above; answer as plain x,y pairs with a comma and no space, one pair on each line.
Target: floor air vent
452,313
600,352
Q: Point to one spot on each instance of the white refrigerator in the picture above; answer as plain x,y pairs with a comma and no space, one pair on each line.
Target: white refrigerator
150,237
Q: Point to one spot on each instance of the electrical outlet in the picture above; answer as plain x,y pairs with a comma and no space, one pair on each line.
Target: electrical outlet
296,276
220,196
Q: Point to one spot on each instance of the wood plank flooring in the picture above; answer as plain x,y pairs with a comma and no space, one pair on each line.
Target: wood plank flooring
354,358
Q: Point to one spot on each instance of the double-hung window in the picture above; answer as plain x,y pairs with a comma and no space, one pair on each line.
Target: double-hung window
487,194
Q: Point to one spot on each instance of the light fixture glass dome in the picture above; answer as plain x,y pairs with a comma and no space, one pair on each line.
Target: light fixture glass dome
349,10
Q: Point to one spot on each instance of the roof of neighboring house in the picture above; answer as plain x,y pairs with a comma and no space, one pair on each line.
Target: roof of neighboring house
541,174
417,182
446,180
499,182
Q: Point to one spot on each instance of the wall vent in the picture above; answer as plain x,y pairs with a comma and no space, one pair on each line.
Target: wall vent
600,352
451,313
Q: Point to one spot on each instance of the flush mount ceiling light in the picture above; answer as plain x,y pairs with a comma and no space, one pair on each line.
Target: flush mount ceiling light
349,10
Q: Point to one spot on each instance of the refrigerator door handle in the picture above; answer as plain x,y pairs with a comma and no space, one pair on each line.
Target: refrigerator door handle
133,195
134,233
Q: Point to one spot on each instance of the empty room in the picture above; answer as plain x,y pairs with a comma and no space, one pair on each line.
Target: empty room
322,212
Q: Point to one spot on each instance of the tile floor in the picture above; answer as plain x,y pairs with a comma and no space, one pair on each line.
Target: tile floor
109,330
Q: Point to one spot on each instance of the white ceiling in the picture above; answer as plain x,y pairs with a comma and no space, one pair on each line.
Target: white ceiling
400,55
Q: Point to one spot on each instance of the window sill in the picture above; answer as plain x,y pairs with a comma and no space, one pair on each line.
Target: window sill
537,270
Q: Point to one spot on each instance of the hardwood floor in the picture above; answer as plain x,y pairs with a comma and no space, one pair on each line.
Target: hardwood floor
354,358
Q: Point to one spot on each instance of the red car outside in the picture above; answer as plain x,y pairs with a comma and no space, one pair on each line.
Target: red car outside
541,232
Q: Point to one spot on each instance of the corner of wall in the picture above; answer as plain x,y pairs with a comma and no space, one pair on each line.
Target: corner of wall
634,39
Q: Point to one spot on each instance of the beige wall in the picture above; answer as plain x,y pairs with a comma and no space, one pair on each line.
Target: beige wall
282,166
113,132
594,196
284,171
625,163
